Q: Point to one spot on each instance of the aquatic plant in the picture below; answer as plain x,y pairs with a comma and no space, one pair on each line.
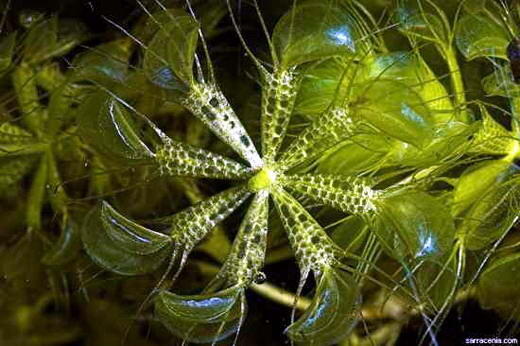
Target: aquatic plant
386,178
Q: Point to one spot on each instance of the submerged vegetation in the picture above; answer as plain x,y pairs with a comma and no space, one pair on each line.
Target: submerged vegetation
355,163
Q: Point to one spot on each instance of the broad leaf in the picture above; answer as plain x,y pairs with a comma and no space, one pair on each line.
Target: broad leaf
333,312
115,255
202,318
316,31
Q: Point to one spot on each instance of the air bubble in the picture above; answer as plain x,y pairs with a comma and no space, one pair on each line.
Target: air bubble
260,278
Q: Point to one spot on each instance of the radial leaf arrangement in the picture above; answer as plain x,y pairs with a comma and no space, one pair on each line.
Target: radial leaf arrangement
356,154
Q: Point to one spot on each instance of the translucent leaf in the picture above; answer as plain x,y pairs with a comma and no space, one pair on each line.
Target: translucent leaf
129,235
106,125
395,109
104,64
318,87
410,69
315,31
202,318
191,225
491,216
247,255
51,38
333,312
172,48
348,194
278,97
498,286
312,247
437,280
413,223
66,248
110,255
209,105
419,22
327,130
501,83
350,234
479,36
477,179
364,153
179,159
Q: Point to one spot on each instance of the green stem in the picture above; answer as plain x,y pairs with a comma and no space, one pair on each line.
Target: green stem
457,83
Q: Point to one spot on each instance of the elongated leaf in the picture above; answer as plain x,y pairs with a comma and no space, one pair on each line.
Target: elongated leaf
415,224
191,225
208,103
180,159
480,36
13,134
202,318
106,125
348,194
312,247
491,216
327,130
333,312
315,31
278,97
247,255
129,235
498,286
116,256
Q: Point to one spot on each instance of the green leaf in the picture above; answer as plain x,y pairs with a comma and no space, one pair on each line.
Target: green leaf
311,245
491,216
396,110
106,125
316,31
327,130
129,235
36,196
415,224
437,280
191,225
116,256
479,36
179,159
477,180
202,318
501,83
247,254
51,38
351,234
348,194
169,57
421,22
104,64
498,286
333,312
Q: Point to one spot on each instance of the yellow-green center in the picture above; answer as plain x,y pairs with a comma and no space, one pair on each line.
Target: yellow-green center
263,179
